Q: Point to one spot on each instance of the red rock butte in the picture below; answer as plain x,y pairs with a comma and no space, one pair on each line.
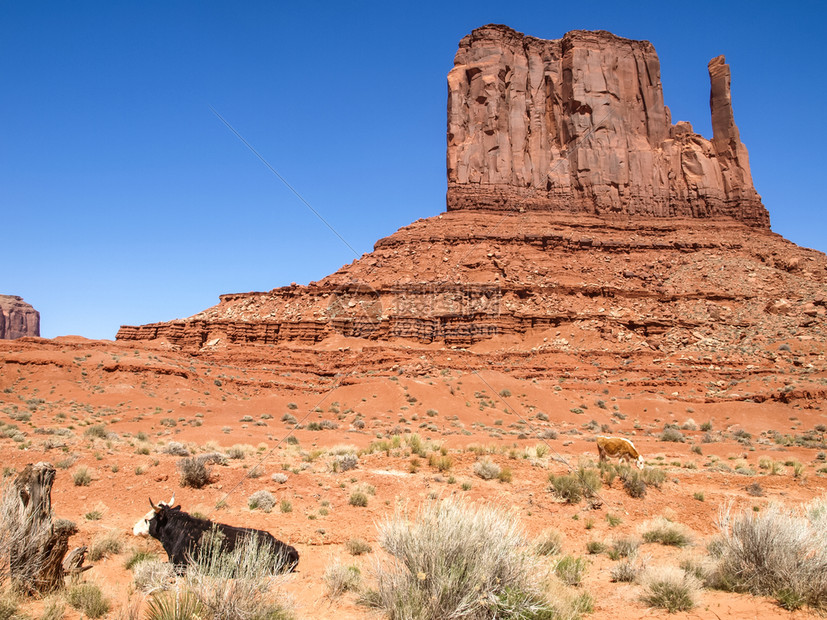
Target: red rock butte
17,318
575,207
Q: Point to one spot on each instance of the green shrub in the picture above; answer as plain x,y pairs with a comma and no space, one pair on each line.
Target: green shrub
137,556
88,599
358,498
595,547
628,569
624,548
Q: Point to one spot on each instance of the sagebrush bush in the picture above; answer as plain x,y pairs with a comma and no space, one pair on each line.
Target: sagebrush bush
583,482
453,559
775,551
262,500
670,588
81,477
487,469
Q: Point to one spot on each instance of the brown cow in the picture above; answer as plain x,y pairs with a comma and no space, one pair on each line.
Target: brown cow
618,447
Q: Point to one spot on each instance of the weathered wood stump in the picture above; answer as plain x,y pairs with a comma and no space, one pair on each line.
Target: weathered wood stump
36,544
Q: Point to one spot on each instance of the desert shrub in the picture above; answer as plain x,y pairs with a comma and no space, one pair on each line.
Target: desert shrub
81,477
8,606
175,448
240,451
152,574
755,489
239,584
440,463
487,469
340,578
549,542
285,506
776,551
629,569
345,462
279,478
357,546
456,560
633,483
96,431
178,604
595,546
671,434
665,532
108,543
88,599
653,476
358,498
570,570
194,472
263,500
584,482
670,588
624,548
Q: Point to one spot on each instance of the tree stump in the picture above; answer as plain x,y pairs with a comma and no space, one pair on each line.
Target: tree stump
36,545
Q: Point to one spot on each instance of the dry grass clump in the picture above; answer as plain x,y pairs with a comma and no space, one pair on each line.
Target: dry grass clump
630,568
584,482
549,542
88,599
108,543
152,575
670,588
665,532
178,604
777,552
340,578
453,560
357,546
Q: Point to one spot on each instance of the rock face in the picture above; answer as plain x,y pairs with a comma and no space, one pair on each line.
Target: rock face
579,125
17,318
615,231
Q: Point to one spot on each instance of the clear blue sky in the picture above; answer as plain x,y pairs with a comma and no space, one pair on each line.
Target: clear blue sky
124,200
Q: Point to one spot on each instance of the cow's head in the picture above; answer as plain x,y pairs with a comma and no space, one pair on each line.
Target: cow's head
141,528
639,462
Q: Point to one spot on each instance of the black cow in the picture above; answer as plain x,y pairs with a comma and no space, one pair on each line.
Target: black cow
184,536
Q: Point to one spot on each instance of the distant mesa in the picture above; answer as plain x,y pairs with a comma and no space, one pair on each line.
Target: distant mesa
17,318
574,206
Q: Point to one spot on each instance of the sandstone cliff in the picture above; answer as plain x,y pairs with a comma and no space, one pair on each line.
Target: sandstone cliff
17,318
579,124
614,231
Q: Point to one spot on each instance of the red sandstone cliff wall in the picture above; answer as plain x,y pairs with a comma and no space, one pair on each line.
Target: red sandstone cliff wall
579,125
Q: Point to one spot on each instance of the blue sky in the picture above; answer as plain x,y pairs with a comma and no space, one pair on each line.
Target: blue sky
125,200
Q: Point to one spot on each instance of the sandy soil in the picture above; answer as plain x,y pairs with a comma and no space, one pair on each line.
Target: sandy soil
56,394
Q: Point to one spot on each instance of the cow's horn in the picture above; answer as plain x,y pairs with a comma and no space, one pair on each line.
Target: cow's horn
172,501
154,507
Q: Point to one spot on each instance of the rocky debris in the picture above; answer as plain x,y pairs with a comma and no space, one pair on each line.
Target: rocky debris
579,124
17,318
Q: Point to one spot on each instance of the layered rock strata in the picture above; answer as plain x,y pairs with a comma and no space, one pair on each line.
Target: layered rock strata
579,124
17,318
608,222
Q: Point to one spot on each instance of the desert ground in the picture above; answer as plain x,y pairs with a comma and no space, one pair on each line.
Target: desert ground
417,418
